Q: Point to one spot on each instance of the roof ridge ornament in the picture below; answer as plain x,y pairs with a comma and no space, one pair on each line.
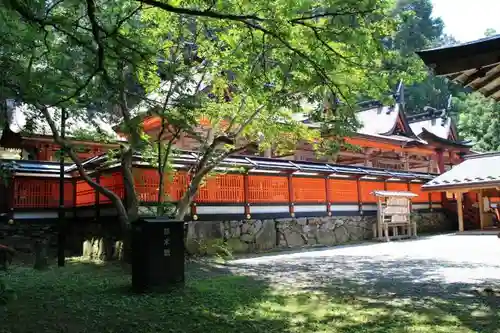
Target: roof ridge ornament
399,94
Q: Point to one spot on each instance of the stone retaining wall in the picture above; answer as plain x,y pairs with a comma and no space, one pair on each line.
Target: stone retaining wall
243,236
247,236
98,239
22,235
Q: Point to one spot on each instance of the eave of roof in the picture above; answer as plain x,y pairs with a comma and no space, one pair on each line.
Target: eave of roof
188,158
49,138
475,64
440,142
398,140
476,172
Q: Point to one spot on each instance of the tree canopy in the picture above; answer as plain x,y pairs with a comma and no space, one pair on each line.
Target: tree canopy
244,66
479,121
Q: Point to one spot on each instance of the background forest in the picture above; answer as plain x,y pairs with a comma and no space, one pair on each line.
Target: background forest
478,118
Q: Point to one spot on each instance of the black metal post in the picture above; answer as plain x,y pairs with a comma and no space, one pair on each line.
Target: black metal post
61,237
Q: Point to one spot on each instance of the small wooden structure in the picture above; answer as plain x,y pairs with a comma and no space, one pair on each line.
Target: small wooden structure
394,216
478,174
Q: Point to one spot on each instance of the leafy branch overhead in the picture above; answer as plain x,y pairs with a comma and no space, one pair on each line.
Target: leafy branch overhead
228,76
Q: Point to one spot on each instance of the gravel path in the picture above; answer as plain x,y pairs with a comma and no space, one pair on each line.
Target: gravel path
437,264
445,281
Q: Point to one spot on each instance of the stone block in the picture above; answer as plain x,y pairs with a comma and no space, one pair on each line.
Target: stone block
247,238
342,235
300,221
265,239
236,245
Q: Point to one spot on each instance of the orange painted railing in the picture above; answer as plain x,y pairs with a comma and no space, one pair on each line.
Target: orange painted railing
343,190
40,193
114,183
268,189
233,188
367,187
222,188
147,184
85,194
396,186
423,197
308,190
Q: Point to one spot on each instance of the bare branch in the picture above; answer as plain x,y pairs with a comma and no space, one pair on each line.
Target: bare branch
120,22
81,170
332,14
249,120
195,12
96,32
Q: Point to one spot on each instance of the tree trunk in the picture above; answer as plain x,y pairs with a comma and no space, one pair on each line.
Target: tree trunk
186,200
160,210
132,205
123,215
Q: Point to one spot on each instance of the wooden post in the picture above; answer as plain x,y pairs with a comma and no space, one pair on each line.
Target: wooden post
377,229
246,193
481,209
290,196
328,199
360,201
440,161
406,161
460,211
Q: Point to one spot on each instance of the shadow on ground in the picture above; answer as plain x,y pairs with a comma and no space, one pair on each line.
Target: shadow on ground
394,294
354,289
88,297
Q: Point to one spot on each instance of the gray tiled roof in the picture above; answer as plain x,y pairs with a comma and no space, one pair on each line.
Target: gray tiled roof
436,126
378,121
19,115
481,170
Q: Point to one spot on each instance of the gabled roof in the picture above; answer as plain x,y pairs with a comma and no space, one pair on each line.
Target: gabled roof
439,142
475,64
476,172
185,159
440,127
20,117
379,121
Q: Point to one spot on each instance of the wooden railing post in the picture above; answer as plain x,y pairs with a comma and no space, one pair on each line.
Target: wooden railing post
328,199
246,195
409,190
291,196
360,200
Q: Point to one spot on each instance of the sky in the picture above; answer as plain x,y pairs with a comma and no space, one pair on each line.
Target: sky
467,20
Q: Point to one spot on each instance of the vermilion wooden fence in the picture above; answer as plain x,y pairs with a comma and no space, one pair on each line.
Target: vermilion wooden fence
222,189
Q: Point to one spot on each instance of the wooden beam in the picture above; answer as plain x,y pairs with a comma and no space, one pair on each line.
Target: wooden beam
460,211
351,154
486,81
492,91
477,75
